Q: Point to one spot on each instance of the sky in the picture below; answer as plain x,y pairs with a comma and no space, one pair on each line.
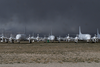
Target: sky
40,16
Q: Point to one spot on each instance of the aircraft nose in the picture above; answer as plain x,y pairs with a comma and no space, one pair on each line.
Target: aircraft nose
18,37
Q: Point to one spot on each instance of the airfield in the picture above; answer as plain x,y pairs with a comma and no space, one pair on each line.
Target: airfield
40,53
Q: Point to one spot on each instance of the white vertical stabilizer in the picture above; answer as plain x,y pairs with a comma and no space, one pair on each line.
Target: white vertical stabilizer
80,30
97,31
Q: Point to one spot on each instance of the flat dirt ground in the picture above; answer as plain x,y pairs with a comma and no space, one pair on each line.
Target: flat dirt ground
49,54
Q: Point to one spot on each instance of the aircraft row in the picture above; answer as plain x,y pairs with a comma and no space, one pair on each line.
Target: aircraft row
51,38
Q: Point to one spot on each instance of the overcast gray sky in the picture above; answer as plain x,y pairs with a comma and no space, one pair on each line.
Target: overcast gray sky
39,16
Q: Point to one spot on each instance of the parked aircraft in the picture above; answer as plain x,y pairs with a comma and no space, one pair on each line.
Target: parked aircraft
86,37
29,38
20,37
37,38
67,38
94,39
44,38
80,36
32,39
98,35
11,39
76,39
60,38
4,39
51,37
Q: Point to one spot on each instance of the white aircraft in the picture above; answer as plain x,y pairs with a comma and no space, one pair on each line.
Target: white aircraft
32,39
20,37
94,39
11,39
98,35
4,39
86,37
60,38
44,38
37,38
67,38
76,39
51,37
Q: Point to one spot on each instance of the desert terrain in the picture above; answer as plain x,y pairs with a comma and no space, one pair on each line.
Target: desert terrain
49,54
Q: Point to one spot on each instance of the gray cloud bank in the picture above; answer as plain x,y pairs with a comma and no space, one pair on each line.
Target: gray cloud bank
39,16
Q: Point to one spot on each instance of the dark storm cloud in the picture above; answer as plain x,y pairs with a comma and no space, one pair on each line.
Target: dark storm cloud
39,16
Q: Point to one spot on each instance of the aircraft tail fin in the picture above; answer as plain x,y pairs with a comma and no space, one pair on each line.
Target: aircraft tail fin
80,30
97,31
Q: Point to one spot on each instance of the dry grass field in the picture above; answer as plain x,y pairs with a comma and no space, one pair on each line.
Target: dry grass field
49,52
